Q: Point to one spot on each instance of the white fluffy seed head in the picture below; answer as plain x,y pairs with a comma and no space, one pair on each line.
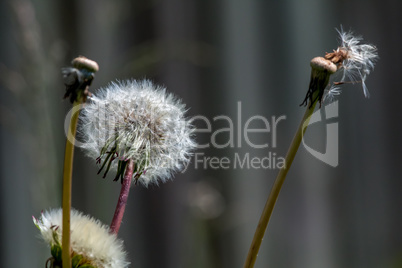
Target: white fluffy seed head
89,238
139,121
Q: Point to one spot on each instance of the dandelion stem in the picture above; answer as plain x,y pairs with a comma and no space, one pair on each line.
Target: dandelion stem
67,183
121,203
269,206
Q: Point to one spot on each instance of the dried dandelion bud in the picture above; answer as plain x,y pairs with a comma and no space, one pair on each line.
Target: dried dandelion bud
92,245
321,65
321,70
78,78
82,62
138,121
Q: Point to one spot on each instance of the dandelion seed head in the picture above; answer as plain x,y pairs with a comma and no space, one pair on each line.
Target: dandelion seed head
89,238
355,60
139,121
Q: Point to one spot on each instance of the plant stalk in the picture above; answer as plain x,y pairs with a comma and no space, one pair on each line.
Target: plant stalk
121,203
67,184
273,196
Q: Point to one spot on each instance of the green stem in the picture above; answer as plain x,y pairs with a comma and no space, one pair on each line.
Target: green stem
269,206
67,183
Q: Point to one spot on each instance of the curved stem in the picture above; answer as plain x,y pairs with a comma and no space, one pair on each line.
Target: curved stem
121,203
273,196
67,183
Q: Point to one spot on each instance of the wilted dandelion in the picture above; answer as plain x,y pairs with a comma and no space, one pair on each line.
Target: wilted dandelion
92,245
354,62
138,121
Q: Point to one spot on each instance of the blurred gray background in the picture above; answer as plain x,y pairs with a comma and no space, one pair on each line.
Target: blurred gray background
213,55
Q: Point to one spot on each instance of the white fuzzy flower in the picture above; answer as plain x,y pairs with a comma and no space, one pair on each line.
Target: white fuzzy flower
91,242
355,61
138,121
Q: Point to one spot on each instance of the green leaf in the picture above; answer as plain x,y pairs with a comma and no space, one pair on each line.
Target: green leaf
56,252
75,261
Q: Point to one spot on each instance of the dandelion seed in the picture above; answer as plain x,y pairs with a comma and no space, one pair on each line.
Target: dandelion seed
355,60
332,92
136,120
91,243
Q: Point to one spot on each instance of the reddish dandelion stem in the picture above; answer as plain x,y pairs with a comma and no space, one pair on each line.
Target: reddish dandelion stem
121,203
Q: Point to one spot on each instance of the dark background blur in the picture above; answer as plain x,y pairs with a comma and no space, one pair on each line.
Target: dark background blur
213,54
